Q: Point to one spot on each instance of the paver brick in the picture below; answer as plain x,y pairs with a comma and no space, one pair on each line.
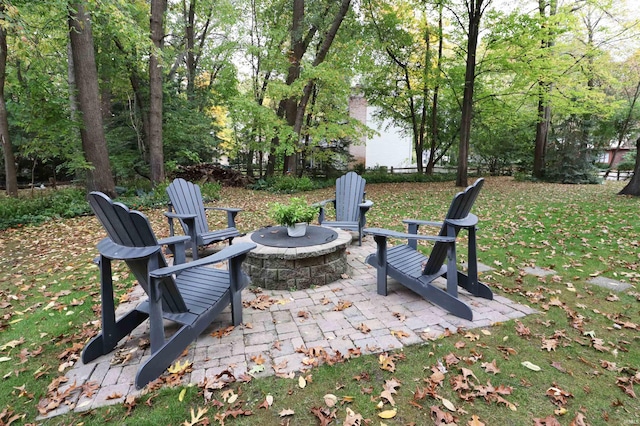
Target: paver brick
325,327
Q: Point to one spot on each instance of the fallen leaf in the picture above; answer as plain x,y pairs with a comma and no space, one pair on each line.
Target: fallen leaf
530,366
286,412
330,400
179,367
448,405
475,421
387,414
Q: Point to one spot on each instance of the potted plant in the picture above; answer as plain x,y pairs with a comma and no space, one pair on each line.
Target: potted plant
295,215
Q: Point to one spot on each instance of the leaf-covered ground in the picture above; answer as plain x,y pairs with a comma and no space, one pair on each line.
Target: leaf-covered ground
576,363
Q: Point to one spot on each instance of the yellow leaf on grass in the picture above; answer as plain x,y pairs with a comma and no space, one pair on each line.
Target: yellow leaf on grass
561,411
302,382
387,414
182,393
232,398
475,421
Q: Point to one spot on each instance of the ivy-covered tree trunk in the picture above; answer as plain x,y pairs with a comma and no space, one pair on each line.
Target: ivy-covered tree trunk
94,144
633,187
156,153
7,151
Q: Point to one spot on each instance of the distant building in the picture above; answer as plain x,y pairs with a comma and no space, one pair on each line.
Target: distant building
617,156
389,147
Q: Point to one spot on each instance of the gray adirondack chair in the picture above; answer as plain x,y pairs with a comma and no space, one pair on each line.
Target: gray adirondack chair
186,199
349,203
417,272
191,294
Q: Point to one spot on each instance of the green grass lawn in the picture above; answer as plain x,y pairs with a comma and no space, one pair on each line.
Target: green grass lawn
585,339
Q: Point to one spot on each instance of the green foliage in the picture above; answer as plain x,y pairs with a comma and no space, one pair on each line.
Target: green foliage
570,163
295,211
286,184
42,205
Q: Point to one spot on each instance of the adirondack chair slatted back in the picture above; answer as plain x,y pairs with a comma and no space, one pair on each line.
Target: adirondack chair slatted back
460,208
186,198
349,194
131,228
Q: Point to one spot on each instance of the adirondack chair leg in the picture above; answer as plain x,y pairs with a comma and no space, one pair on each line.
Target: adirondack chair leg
156,323
470,281
231,220
191,225
381,266
112,331
235,288
452,279
412,228
447,302
170,219
164,356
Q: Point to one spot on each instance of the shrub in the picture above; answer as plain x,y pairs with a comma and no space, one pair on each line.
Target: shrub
36,207
286,184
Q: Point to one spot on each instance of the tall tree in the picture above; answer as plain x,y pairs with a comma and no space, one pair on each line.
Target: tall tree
156,153
94,145
475,10
7,150
547,9
303,32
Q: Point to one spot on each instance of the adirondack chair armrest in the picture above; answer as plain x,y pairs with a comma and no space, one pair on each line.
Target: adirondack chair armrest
176,239
111,250
231,214
422,222
322,205
465,222
227,253
172,215
366,205
176,245
387,233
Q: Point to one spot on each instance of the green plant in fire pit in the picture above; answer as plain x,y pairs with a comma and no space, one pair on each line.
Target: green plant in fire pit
295,211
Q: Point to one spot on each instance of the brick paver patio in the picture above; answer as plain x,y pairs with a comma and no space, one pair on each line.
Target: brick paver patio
305,318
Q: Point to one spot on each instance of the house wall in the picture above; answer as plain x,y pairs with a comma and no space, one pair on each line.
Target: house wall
358,110
388,147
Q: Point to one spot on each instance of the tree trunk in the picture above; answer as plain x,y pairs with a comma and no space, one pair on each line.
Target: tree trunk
94,144
7,151
156,154
190,18
475,11
140,102
544,101
633,187
435,134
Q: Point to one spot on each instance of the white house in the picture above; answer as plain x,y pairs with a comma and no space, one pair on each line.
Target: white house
389,147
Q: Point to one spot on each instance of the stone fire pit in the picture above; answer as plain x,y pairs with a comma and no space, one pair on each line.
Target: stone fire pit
285,263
